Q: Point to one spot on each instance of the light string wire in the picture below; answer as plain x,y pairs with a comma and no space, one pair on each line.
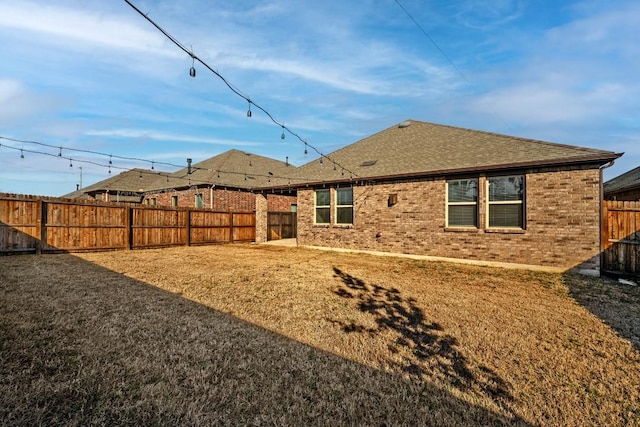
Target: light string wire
167,175
237,91
433,42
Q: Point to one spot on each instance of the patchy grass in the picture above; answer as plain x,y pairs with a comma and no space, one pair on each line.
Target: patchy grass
264,335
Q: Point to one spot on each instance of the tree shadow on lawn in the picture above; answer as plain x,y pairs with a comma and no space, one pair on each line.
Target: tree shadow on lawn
80,344
432,351
616,304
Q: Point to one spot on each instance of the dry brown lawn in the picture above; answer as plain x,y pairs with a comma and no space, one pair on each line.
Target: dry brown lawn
266,335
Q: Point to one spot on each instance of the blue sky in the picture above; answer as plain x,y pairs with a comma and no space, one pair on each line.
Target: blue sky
94,75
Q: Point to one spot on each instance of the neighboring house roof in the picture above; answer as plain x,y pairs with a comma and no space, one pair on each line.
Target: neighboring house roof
134,181
627,181
233,168
414,148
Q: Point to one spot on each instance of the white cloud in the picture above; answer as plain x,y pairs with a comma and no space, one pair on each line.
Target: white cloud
168,137
89,28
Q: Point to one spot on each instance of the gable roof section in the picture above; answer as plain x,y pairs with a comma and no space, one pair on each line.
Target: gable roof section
414,148
233,168
627,181
132,181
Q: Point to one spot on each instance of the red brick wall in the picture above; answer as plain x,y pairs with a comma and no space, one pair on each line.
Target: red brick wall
280,203
223,200
562,222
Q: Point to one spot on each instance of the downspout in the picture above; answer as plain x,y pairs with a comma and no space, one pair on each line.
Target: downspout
602,168
211,197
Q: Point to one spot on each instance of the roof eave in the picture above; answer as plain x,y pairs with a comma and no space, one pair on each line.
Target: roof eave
599,158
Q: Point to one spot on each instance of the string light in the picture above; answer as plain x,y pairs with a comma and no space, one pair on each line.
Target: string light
305,150
60,152
225,81
22,154
192,70
70,163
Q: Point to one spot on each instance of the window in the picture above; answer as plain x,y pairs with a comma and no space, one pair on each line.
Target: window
152,201
462,203
506,200
323,207
174,201
344,206
199,200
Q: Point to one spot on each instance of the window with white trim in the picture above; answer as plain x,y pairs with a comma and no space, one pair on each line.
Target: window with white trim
506,202
462,203
322,206
344,206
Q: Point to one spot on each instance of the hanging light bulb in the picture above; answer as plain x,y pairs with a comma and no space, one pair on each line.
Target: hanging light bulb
70,163
60,152
321,162
140,176
109,170
152,168
21,154
305,149
192,70
249,110
282,136
110,162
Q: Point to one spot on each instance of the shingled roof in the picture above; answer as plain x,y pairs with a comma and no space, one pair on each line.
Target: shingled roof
233,168
627,181
413,148
135,181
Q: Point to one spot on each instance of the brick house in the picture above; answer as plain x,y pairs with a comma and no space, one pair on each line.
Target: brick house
225,182
625,187
442,191
126,187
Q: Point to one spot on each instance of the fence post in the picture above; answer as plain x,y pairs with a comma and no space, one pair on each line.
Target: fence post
41,225
231,240
129,232
189,227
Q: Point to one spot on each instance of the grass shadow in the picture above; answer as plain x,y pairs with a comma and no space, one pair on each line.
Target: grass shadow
427,350
81,345
616,304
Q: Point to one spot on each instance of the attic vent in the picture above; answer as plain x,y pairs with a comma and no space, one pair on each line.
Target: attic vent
404,124
369,163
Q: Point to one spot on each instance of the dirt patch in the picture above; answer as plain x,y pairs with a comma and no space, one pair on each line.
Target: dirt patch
246,334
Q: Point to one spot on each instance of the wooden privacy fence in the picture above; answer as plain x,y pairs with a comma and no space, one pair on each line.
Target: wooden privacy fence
38,225
621,237
281,225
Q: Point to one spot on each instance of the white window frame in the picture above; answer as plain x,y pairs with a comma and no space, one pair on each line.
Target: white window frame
316,206
337,206
448,203
506,202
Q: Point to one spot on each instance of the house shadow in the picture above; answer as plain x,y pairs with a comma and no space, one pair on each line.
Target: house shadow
615,303
427,349
85,345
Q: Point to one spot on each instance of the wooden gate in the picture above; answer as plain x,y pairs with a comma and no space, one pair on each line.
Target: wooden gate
281,225
621,237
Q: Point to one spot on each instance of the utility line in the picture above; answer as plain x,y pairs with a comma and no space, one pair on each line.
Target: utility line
504,122
235,90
